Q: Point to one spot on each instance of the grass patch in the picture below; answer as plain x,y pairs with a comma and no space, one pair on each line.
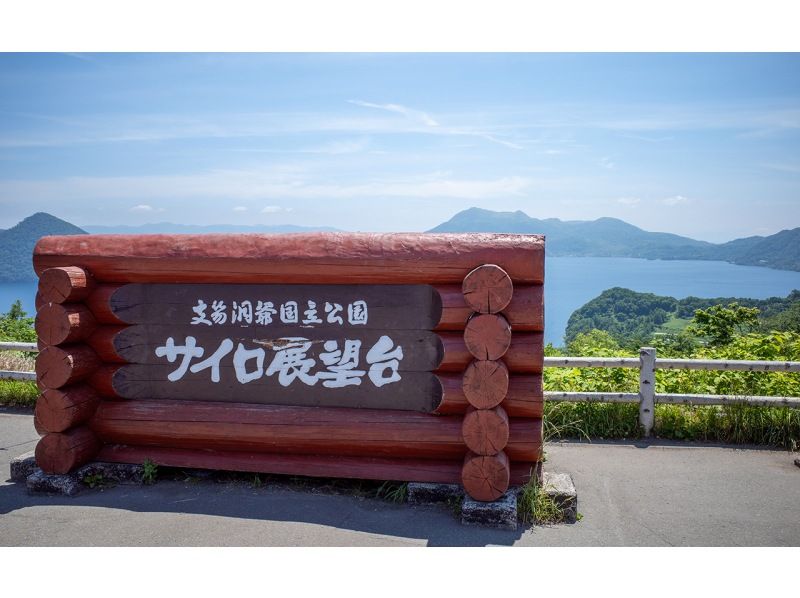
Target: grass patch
534,505
18,393
591,420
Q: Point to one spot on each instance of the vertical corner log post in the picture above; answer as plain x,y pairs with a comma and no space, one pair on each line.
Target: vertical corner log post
486,472
63,325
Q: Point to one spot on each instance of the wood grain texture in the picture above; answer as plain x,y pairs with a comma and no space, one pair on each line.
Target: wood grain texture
487,289
99,302
65,284
485,431
294,430
58,410
59,366
525,355
60,453
402,470
58,324
307,258
39,301
485,383
486,477
487,336
524,397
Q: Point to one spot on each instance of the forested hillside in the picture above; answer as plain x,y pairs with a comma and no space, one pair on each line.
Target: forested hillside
632,317
16,244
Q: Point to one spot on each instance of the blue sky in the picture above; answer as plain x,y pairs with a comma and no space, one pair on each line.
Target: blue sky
697,144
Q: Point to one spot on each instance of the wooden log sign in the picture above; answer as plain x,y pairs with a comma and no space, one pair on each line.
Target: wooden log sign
409,357
365,346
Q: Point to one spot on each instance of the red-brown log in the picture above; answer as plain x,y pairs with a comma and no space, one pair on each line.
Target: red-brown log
37,425
60,409
404,470
307,258
99,302
487,289
524,313
58,324
524,439
59,366
62,452
486,477
523,399
485,431
525,355
300,430
102,343
487,336
65,284
102,381
39,301
485,383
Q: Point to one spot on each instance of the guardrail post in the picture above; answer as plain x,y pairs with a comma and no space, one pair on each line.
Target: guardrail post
647,389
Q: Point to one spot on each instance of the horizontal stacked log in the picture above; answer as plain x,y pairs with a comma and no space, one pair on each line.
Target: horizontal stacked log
80,411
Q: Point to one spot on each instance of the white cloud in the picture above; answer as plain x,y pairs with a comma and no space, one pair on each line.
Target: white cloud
259,184
240,209
143,207
675,200
629,201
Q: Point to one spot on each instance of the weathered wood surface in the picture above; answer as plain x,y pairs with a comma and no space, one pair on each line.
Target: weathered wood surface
388,307
57,324
485,431
523,399
486,477
299,430
102,380
415,391
485,383
368,468
307,258
59,366
488,289
60,453
65,285
60,409
524,356
487,336
525,312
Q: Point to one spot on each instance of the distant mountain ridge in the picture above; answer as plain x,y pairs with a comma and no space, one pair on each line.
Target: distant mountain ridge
16,244
610,237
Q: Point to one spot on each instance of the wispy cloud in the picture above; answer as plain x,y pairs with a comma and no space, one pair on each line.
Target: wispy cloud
274,209
629,201
260,184
240,209
415,115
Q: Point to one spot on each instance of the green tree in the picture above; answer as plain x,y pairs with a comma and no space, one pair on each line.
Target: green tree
14,326
720,324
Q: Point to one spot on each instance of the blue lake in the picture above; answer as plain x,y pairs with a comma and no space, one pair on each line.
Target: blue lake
572,281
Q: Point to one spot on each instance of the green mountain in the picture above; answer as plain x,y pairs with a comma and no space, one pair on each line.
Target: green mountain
610,237
16,244
626,314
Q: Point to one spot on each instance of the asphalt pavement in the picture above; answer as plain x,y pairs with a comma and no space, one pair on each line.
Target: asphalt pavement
629,494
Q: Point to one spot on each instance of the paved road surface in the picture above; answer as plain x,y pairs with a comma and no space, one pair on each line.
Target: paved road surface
630,494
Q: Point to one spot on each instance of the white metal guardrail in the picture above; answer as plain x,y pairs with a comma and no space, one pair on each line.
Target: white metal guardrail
647,364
